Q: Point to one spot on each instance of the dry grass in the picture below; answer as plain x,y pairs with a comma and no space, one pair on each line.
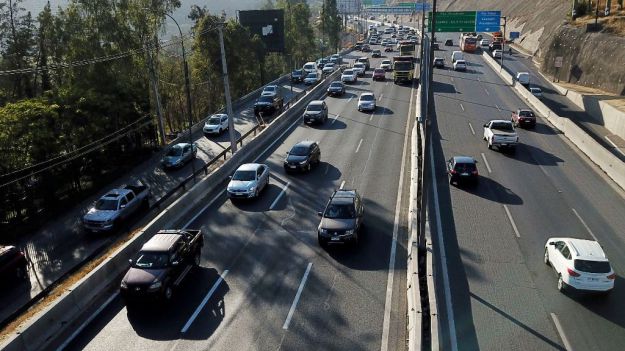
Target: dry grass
613,24
63,286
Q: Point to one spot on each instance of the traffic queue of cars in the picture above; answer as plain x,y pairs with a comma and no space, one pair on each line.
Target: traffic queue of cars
579,265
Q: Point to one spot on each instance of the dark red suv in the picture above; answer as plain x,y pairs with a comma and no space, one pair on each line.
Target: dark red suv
379,74
13,263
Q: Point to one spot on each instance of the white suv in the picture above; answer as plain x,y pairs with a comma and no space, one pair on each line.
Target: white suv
580,264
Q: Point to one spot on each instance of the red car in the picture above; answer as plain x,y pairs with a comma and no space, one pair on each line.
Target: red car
379,74
13,263
523,118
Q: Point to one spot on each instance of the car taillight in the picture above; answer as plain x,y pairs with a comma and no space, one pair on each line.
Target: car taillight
474,172
612,276
453,171
572,273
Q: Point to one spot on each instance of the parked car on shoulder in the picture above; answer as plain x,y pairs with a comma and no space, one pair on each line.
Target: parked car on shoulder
302,156
13,264
161,265
216,124
342,218
248,181
581,265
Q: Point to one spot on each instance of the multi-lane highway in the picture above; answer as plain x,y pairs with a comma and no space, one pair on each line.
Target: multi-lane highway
503,296
264,282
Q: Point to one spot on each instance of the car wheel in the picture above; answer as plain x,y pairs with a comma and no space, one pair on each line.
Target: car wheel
356,240
256,193
167,294
490,146
308,167
451,180
546,258
561,284
197,259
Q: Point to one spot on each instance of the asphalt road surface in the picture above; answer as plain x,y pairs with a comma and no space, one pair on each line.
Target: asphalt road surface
62,243
503,295
279,289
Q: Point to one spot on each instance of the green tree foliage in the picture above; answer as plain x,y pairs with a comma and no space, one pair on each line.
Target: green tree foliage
331,24
16,47
299,34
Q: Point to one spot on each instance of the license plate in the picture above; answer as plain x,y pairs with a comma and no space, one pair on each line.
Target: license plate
464,174
336,238
503,144
291,166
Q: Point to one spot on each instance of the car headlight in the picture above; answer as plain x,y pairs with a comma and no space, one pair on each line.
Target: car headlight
349,232
177,161
156,285
252,189
123,285
323,231
303,162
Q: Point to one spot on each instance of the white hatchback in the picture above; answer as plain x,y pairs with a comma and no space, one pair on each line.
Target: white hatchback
386,65
580,264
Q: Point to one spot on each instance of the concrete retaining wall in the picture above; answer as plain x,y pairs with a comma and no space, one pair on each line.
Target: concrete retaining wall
53,320
603,158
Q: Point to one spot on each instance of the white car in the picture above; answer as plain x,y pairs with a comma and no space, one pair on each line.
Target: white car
270,90
328,68
580,264
248,180
312,78
349,76
537,92
216,124
386,65
460,65
310,67
484,42
359,68
366,102
497,53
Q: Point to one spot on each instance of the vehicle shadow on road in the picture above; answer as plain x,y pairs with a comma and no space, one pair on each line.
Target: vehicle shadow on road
492,190
535,156
440,87
164,321
610,307
264,200
330,124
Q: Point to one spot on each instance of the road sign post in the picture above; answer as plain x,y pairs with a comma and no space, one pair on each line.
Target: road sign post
557,64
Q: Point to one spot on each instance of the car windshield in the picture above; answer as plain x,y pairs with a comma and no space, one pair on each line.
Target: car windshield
245,176
464,167
506,127
329,65
336,85
269,89
267,99
313,107
348,72
309,66
174,151
296,73
340,211
377,70
359,65
366,98
526,113
153,260
592,266
312,75
386,62
403,66
106,205
299,151
214,120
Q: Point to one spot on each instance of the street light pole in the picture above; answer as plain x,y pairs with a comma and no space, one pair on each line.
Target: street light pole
187,89
224,66
503,39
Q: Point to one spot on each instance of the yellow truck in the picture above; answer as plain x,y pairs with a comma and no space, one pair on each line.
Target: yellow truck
403,69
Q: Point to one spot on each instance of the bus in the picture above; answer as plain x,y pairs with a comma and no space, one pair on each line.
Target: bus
468,43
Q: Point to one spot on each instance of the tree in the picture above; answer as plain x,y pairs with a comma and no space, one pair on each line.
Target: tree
298,31
331,23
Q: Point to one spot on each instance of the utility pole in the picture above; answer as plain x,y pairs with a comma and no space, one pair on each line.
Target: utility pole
154,82
503,40
224,65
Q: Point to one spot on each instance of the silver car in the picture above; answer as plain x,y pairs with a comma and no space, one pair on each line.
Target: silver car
270,90
349,76
248,181
178,155
366,102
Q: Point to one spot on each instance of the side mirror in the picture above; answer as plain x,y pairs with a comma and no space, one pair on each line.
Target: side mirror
229,177
552,244
320,214
175,263
122,206
486,125
130,261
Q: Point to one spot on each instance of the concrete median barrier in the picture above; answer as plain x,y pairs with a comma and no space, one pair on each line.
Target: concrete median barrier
40,330
604,159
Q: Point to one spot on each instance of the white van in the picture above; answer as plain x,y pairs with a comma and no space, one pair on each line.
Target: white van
523,78
456,55
310,67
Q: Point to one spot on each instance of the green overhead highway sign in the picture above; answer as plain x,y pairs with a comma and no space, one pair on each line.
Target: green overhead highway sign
460,21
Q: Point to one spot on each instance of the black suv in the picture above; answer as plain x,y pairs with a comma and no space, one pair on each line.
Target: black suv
316,111
439,62
298,75
302,156
336,88
13,264
341,220
268,105
462,169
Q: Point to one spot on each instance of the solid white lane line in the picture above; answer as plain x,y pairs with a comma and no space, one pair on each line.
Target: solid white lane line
611,142
358,147
478,79
565,341
350,99
443,257
275,202
386,84
391,261
516,231
585,225
462,107
487,93
451,78
472,130
371,117
297,296
87,322
380,98
486,163
334,119
203,303
342,185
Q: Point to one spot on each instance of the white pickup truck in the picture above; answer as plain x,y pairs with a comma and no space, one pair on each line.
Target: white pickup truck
115,206
500,133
